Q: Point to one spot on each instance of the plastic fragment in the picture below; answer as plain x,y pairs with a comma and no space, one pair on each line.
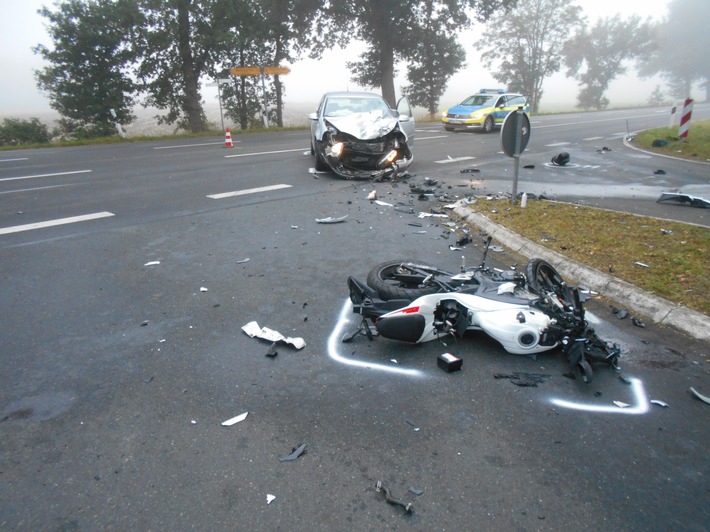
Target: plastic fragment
621,405
383,203
638,322
372,196
295,453
252,329
700,396
331,220
416,491
637,263
272,352
152,263
203,289
659,403
235,420
242,261
270,498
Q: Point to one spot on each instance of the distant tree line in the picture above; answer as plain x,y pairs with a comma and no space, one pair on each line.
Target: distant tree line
108,55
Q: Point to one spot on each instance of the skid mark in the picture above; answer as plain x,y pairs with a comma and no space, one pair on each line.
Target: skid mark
334,346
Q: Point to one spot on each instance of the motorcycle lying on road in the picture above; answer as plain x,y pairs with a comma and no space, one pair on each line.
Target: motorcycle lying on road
527,313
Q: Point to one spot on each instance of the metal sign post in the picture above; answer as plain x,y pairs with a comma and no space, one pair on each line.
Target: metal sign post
261,71
514,137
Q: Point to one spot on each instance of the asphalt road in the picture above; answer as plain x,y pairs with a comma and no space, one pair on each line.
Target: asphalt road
118,374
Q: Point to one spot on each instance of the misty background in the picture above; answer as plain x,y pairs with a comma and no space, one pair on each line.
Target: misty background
22,28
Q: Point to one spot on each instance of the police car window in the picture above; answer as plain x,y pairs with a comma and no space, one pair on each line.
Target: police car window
478,100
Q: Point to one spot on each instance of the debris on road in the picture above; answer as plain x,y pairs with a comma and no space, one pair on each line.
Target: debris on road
235,420
252,329
448,362
331,220
700,396
659,403
383,203
561,159
408,507
683,199
524,379
638,322
272,352
621,404
270,498
243,261
642,264
152,263
295,453
415,491
203,289
372,196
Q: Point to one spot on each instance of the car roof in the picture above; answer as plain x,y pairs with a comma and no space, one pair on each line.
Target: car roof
349,94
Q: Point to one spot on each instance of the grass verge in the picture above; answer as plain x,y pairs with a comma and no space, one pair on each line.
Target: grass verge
696,147
677,254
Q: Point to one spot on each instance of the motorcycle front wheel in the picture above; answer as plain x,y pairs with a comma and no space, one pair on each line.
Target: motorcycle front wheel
543,278
394,280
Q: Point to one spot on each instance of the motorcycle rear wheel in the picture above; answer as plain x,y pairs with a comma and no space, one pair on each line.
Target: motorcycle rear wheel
407,285
543,277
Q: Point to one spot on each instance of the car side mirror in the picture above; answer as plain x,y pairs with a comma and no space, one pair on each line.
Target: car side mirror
313,116
404,118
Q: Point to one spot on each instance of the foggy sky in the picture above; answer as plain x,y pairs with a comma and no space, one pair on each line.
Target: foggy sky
21,28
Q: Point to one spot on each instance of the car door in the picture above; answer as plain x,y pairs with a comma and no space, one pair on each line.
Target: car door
406,119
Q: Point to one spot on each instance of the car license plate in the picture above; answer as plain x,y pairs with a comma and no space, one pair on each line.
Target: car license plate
455,121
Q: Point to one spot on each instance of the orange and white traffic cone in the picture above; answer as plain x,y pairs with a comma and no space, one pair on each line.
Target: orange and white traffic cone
228,139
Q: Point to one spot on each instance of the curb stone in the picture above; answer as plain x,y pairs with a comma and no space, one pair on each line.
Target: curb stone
691,322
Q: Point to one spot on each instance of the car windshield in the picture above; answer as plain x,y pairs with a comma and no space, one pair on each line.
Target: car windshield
479,100
346,106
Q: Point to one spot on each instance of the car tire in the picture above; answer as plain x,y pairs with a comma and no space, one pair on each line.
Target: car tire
321,165
449,128
488,124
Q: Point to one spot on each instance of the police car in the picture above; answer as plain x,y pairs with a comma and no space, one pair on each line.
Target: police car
484,110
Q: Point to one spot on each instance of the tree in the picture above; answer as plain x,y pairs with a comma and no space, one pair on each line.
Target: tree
391,29
681,55
175,41
436,57
526,44
602,52
15,131
88,73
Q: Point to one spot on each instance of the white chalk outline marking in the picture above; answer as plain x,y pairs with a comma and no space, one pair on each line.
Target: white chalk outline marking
335,339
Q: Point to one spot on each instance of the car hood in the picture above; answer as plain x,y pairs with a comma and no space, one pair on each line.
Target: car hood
365,126
466,109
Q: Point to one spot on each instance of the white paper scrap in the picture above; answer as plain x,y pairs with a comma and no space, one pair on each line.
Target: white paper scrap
203,289
152,263
620,404
270,498
252,329
235,420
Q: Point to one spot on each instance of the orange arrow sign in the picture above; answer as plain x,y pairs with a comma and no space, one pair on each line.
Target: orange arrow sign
276,70
246,71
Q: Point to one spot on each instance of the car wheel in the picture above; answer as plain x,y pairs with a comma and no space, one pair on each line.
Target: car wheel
488,124
321,165
449,128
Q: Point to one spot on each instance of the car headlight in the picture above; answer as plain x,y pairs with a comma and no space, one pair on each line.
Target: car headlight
477,115
335,150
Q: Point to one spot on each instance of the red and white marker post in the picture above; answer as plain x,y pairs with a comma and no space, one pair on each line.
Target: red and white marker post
685,118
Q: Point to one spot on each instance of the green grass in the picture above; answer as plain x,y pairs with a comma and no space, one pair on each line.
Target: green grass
696,147
614,241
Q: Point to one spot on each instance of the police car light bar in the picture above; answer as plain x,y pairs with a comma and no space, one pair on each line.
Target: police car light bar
491,91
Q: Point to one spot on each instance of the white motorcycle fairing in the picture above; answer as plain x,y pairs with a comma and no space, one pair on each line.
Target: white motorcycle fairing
515,325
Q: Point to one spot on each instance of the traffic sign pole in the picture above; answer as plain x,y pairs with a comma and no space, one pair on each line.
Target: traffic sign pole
514,137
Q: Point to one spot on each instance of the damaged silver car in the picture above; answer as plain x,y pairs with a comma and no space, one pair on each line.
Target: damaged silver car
358,136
